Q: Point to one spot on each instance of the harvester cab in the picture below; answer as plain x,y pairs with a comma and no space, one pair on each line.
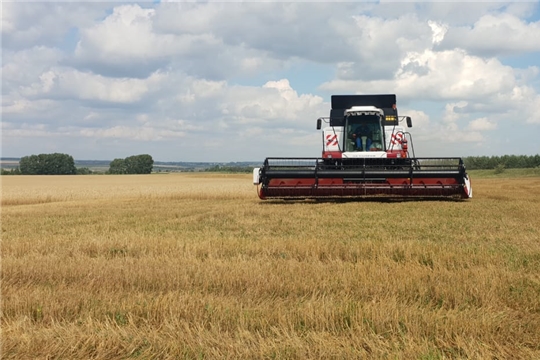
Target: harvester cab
365,153
363,126
361,134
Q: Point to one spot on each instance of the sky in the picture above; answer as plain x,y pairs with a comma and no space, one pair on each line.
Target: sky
242,81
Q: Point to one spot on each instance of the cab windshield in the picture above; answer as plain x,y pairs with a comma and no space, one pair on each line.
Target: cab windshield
363,133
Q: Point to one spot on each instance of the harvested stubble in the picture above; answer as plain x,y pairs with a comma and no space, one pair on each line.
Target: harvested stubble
195,266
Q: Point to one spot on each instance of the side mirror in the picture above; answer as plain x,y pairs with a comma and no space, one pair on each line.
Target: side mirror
409,121
319,123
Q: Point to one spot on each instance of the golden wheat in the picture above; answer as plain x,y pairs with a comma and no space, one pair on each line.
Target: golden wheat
196,266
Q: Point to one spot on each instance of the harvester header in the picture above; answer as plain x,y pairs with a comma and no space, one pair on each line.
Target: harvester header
365,153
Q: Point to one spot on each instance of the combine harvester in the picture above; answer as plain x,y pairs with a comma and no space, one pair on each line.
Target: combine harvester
365,154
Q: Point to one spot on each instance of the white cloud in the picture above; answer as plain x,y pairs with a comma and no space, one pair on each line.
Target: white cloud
453,112
28,24
481,124
276,101
376,45
145,133
25,130
243,81
459,14
21,68
70,83
207,88
26,107
495,34
419,118
439,30
485,85
530,110
125,35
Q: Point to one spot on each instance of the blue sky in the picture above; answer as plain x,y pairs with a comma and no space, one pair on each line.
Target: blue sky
229,81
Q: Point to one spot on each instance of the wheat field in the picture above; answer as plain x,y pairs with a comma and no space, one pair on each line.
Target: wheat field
193,266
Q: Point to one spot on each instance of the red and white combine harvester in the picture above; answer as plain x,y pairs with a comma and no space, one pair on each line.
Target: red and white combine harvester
365,154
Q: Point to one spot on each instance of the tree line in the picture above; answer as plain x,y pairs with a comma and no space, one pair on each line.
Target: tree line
136,164
47,164
229,169
505,161
64,164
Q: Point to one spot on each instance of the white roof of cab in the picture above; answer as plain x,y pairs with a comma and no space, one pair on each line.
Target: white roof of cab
364,110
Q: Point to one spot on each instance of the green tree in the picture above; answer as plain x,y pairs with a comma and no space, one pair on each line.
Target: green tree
59,164
84,171
505,161
14,171
117,166
29,165
48,164
139,164
131,165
